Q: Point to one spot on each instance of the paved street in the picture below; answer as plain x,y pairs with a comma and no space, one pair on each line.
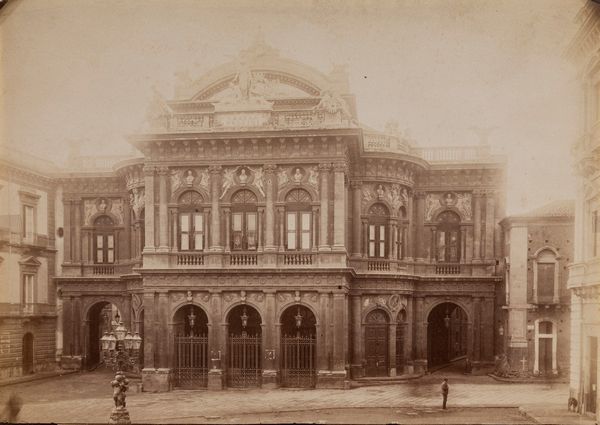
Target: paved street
86,397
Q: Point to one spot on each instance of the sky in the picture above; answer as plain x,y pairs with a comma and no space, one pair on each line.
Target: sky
84,71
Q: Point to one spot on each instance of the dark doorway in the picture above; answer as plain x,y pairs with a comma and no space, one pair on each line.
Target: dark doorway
27,353
376,343
545,359
244,347
102,317
298,347
592,393
446,334
191,347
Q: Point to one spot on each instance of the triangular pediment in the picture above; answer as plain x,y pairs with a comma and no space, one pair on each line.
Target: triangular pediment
30,261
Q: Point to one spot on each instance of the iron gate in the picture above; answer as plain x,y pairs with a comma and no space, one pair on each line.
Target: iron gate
244,368
298,361
191,369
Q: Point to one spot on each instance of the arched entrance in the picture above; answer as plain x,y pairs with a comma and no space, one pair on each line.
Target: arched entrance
400,341
376,343
27,353
190,327
244,347
298,347
447,327
102,317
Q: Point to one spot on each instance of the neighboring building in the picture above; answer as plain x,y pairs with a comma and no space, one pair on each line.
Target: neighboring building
27,265
584,273
538,247
266,236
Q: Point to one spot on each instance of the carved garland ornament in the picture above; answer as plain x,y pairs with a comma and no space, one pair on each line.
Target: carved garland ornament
395,195
243,176
437,201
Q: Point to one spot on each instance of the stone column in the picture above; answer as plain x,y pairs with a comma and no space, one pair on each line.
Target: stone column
78,224
261,213
215,225
410,231
281,212
356,220
394,239
270,342
323,342
476,226
315,220
476,329
421,335
149,208
489,226
163,221
339,207
488,330
365,224
227,213
408,338
419,219
67,230
392,347
357,356
324,220
339,332
269,207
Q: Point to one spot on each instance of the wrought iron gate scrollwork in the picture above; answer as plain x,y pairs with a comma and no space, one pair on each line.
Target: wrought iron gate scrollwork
191,370
244,368
298,361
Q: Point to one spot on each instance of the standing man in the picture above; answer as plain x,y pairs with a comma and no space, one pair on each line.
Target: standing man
445,392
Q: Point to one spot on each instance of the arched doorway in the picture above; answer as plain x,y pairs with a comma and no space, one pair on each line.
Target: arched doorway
447,326
244,347
298,347
190,327
102,317
376,343
27,353
400,341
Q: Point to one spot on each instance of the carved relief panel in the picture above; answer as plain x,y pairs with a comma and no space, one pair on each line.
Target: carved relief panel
298,175
461,201
242,176
188,178
394,194
92,207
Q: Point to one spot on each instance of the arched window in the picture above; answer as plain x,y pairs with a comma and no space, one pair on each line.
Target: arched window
298,220
243,221
191,222
448,237
104,240
378,221
545,276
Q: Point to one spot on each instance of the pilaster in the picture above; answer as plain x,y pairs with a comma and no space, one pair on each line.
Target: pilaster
149,208
356,220
215,217
477,226
162,210
324,219
269,207
339,206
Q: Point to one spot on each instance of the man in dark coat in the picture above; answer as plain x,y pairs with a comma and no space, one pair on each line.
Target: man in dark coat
445,392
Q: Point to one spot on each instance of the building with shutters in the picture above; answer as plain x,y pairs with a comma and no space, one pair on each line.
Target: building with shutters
538,248
265,237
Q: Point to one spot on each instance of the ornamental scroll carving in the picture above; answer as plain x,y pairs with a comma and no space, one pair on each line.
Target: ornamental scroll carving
243,176
438,201
393,302
395,195
188,177
92,207
298,175
137,201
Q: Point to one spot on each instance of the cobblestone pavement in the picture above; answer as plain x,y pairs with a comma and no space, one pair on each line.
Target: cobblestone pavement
86,397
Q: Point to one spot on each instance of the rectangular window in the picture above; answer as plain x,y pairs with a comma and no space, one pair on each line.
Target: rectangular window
381,241
28,229
441,245
305,229
110,249
291,230
99,249
545,281
198,231
237,235
184,228
28,292
251,230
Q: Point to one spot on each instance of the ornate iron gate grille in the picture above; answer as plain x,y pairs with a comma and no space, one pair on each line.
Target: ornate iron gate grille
191,370
244,367
298,357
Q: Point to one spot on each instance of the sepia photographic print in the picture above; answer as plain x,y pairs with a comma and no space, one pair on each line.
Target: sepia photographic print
318,211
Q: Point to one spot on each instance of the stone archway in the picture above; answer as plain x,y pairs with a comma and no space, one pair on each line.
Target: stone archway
377,343
244,347
102,317
191,352
298,347
447,334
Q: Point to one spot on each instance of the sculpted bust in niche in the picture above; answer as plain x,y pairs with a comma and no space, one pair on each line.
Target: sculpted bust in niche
380,191
189,178
297,175
243,176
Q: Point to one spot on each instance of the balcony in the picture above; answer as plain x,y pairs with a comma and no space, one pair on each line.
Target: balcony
98,270
298,259
375,265
447,268
243,259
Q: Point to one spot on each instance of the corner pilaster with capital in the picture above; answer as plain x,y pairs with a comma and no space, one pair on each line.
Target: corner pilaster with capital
163,223
215,216
149,213
270,188
339,206
324,170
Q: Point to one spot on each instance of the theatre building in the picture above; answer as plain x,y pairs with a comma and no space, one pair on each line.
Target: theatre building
264,237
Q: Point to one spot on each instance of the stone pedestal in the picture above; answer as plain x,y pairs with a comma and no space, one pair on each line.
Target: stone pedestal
270,379
119,415
332,379
215,380
156,380
357,371
70,362
420,366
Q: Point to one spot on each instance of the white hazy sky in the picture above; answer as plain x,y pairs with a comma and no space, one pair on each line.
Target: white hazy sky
84,70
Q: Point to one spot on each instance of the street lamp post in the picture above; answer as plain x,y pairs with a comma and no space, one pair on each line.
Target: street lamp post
121,349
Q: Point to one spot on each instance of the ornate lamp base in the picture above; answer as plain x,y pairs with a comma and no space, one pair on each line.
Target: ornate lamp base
119,415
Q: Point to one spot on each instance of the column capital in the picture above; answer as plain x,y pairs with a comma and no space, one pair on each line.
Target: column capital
420,194
149,170
215,169
162,170
324,166
356,184
269,168
479,193
340,167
